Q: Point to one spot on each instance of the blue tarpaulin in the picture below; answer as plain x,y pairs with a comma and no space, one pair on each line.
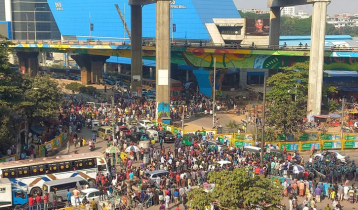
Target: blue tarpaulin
330,73
37,129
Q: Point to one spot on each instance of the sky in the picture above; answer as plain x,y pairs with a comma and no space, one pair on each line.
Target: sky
336,6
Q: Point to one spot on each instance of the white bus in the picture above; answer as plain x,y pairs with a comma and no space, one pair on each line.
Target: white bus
31,174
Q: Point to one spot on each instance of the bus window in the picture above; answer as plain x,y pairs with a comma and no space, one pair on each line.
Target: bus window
42,169
25,171
80,164
5,173
19,172
52,167
90,163
12,172
34,170
68,166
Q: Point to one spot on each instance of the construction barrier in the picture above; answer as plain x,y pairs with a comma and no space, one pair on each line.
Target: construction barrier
8,158
54,143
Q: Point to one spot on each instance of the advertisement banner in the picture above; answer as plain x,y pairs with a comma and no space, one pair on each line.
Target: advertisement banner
175,131
308,146
258,27
56,142
348,137
241,144
351,144
332,145
330,137
8,159
289,147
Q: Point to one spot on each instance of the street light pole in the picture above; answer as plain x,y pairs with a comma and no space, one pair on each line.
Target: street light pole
214,92
263,123
35,20
113,118
342,120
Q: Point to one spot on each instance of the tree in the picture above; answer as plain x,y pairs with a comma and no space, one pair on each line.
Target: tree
10,96
237,190
287,99
233,125
42,100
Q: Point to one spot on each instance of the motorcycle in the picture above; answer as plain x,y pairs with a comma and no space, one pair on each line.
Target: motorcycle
91,147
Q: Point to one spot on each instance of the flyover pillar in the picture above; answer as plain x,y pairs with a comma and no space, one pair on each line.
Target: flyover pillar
136,46
28,63
163,58
91,67
275,18
315,80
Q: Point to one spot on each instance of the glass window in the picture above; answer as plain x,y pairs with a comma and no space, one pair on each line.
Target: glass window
52,167
5,173
90,195
83,182
34,170
42,169
64,186
12,172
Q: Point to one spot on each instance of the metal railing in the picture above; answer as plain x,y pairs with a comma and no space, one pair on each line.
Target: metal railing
191,44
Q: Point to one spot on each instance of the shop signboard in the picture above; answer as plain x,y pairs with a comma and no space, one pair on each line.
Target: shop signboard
289,147
332,145
241,144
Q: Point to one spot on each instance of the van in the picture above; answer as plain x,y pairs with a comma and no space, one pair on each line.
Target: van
104,131
152,175
153,134
62,185
96,124
252,150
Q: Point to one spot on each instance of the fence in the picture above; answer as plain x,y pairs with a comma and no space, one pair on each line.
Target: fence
8,158
54,143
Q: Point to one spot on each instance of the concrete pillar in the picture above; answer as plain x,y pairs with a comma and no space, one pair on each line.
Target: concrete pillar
151,73
163,58
66,60
28,62
91,67
136,46
315,80
119,67
275,18
243,78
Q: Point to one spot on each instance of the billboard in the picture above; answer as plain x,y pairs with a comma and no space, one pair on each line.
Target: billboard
258,27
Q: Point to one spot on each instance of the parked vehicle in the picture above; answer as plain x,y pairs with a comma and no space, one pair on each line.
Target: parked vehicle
61,186
90,194
167,136
11,196
136,137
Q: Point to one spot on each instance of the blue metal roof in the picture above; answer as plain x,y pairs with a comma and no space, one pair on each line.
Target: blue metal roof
74,17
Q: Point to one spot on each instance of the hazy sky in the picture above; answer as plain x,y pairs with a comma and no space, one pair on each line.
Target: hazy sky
336,7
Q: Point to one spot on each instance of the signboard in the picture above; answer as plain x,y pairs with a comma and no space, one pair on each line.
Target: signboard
332,145
351,144
175,131
308,146
258,27
289,147
330,137
351,137
3,190
241,144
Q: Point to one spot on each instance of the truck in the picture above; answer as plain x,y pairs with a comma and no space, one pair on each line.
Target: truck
11,195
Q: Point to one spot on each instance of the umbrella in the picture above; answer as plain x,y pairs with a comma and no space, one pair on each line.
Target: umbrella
135,148
335,115
112,150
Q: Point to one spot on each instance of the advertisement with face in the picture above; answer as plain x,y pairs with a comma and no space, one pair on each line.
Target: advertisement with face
257,27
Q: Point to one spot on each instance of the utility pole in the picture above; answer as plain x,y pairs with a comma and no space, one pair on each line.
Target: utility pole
214,92
263,124
342,120
182,117
113,119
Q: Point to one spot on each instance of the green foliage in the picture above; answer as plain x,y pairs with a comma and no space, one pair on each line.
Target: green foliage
75,86
270,135
332,105
250,15
232,124
42,100
236,190
287,99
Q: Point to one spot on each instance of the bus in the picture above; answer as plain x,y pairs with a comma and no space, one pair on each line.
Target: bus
31,174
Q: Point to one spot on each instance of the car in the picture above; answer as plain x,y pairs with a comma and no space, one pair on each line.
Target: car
152,175
136,136
220,164
167,136
132,122
108,82
146,123
137,128
340,156
90,193
212,144
150,98
125,130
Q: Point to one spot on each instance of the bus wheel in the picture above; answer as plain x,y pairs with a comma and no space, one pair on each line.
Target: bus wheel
36,191
91,182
